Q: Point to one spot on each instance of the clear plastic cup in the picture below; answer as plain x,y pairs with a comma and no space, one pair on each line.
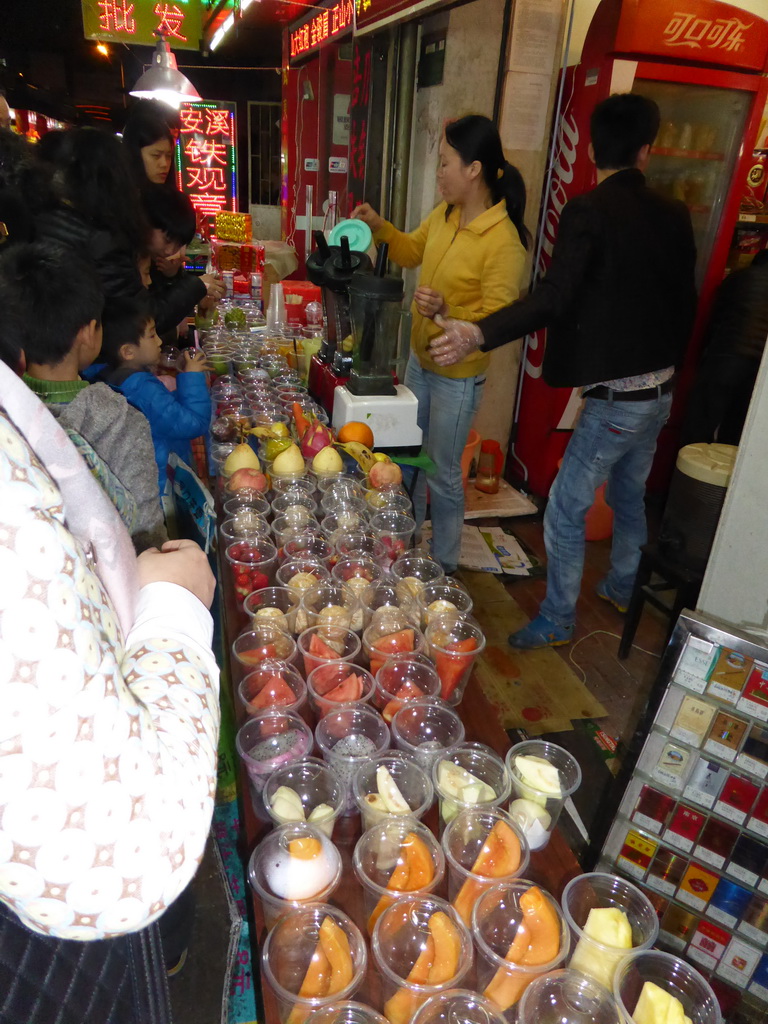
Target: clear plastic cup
345,485
358,572
401,680
282,484
567,997
389,501
247,498
244,524
458,1006
426,730
287,527
395,530
362,542
412,572
284,883
347,1012
671,974
481,762
288,954
252,563
335,524
263,641
332,602
335,503
382,862
498,915
381,599
277,605
393,634
400,944
320,644
475,861
274,684
285,501
317,787
308,544
443,597
299,574
599,890
267,742
454,645
412,782
286,478
347,738
338,682
535,810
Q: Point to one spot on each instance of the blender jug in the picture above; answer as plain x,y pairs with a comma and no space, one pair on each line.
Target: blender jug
375,305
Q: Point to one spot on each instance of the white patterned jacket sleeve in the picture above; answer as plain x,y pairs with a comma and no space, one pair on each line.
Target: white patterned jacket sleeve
107,747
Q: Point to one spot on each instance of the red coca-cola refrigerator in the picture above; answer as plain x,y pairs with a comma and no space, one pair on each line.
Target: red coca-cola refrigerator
704,63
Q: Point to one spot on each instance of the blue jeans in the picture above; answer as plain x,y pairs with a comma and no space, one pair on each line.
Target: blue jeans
446,410
613,441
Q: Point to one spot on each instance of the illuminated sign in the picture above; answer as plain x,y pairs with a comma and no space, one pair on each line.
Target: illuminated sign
206,155
137,21
321,27
367,12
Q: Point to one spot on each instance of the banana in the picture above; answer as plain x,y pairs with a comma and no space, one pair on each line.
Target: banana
363,456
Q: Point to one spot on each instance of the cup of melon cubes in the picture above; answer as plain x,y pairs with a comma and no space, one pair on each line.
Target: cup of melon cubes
543,776
651,987
391,784
397,857
314,956
470,774
609,918
307,790
454,644
482,847
519,934
420,948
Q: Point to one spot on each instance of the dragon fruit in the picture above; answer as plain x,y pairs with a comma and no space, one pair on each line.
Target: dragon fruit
316,437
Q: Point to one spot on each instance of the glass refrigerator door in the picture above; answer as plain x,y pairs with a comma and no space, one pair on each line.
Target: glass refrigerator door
696,151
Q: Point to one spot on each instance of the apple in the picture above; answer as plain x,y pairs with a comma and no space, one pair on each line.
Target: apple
251,478
385,474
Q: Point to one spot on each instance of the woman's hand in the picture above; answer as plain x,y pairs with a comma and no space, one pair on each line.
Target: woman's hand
366,212
459,340
182,562
214,286
429,302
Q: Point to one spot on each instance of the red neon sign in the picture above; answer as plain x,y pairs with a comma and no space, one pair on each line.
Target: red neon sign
321,27
207,156
138,21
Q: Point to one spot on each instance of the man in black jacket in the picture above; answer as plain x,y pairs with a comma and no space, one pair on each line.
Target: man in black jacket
618,301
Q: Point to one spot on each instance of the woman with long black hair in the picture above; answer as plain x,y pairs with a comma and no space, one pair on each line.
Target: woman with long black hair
471,249
148,141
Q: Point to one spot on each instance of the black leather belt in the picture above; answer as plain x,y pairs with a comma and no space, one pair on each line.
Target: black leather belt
643,395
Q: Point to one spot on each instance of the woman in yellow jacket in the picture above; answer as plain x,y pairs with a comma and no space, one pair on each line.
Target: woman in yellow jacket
471,249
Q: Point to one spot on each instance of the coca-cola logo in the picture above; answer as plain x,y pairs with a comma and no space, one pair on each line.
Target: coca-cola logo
706,33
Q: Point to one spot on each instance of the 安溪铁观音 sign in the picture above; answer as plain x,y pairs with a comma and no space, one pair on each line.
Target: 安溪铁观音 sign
206,155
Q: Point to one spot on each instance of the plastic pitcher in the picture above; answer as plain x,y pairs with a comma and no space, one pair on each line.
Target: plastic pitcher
489,467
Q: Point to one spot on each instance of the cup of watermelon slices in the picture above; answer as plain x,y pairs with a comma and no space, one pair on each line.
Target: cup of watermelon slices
274,684
454,645
391,634
338,682
327,642
261,642
403,679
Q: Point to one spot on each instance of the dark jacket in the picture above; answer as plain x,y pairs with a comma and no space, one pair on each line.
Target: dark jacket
112,257
739,319
619,296
173,298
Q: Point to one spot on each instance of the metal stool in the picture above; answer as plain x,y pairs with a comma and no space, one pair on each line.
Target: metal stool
685,582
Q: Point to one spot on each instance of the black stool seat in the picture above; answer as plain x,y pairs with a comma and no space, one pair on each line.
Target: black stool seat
685,582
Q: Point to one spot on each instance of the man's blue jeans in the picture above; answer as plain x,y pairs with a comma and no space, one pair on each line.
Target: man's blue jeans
446,410
613,441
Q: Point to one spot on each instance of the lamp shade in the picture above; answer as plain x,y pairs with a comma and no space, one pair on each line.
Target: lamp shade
163,81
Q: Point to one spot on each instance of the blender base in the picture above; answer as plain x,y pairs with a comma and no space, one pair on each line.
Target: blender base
392,418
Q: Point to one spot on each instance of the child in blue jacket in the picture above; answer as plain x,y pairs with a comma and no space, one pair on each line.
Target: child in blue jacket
131,348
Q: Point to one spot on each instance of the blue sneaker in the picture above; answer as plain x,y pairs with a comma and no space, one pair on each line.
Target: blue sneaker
604,592
540,632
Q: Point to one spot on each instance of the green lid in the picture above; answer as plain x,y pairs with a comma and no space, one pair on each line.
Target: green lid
358,235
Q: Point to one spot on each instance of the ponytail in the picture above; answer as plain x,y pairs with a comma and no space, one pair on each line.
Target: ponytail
509,185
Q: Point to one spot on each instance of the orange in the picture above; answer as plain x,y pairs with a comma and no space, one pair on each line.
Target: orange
356,431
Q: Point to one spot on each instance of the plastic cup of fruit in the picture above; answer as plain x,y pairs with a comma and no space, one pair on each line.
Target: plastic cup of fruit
486,766
671,974
280,485
285,528
413,572
399,941
348,1012
454,645
294,496
395,500
535,810
299,574
252,563
219,455
308,544
263,641
247,498
277,605
443,597
401,680
458,1005
463,840
244,524
395,530
338,682
426,730
274,684
567,997
345,484
381,599
348,737
496,917
361,542
317,643
335,524
315,784
358,572
283,883
332,602
389,635
288,955
412,781
292,477
600,890
377,854
267,742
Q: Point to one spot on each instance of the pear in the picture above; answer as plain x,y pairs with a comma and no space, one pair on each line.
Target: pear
289,462
242,457
327,461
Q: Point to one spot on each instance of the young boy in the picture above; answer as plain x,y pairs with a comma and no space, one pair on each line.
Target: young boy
131,348
55,299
